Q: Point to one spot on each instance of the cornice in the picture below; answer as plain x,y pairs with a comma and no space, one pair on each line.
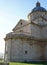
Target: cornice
26,37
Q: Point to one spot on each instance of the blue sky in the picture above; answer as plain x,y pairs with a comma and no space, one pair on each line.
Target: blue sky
10,13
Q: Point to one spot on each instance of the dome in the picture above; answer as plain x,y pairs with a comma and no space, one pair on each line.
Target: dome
38,8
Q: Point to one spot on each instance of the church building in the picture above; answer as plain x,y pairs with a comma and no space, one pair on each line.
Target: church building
28,41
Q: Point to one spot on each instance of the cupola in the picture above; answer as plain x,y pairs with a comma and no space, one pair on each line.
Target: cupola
38,8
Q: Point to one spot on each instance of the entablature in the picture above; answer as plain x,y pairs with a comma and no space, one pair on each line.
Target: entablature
23,36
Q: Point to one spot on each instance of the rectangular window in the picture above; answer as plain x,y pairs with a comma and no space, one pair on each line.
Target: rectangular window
26,52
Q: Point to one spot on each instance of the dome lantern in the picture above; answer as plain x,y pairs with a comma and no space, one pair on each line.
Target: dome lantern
38,8
37,4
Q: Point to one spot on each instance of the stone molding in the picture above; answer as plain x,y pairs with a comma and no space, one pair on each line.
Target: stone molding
23,36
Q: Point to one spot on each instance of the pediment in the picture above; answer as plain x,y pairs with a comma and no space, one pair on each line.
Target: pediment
20,24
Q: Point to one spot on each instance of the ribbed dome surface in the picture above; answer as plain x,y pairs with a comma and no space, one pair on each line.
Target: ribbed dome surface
38,8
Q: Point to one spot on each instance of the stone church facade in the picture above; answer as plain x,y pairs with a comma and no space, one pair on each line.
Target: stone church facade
28,41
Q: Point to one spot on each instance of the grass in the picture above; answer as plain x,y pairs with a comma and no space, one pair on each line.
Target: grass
20,63
16,63
26,63
1,61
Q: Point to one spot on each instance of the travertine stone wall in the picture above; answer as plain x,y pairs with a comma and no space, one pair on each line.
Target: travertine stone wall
20,46
15,50
35,31
44,32
7,50
45,52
